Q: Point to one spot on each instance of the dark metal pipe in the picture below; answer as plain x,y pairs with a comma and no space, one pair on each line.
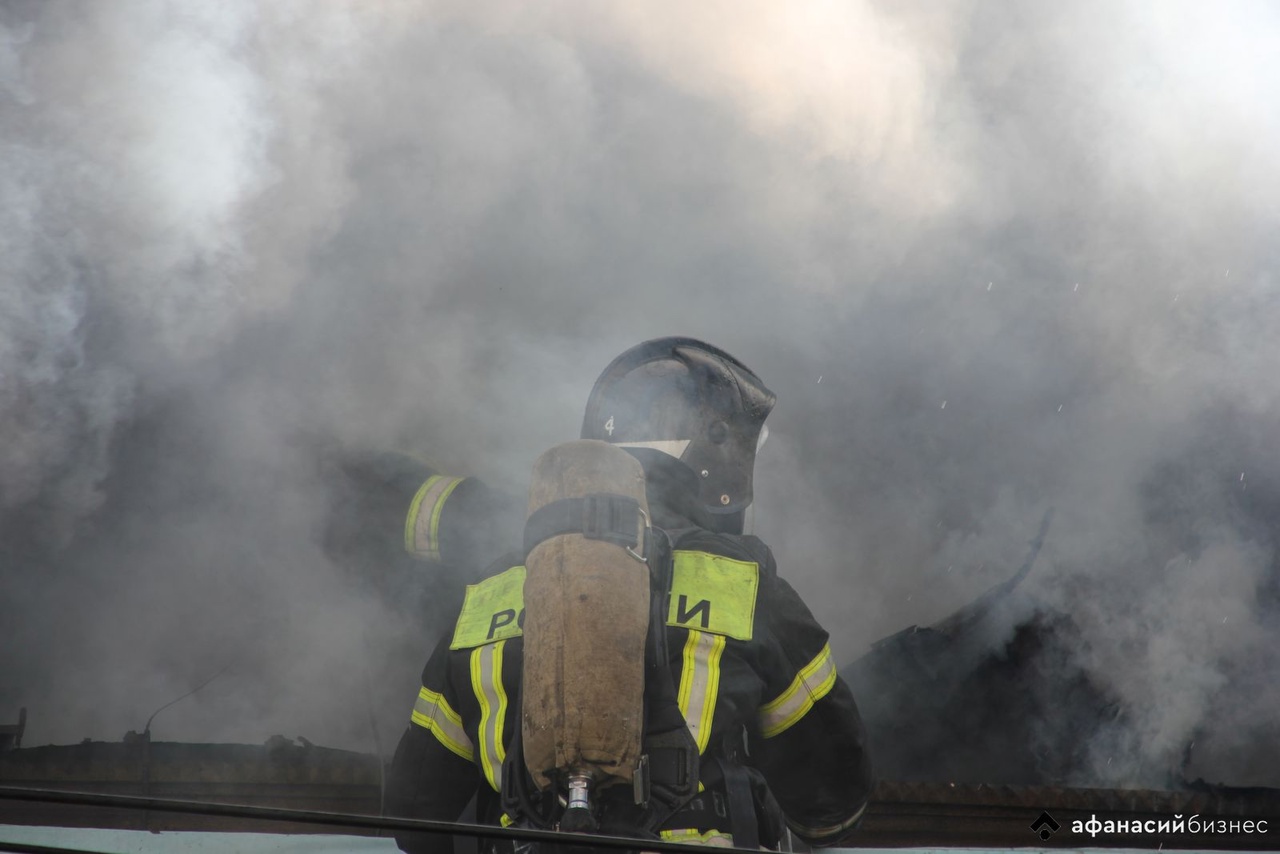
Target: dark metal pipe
368,822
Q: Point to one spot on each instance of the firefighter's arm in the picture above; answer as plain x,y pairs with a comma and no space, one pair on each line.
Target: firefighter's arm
386,506
461,521
810,741
433,774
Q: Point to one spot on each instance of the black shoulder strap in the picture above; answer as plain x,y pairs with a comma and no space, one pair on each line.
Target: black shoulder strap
672,753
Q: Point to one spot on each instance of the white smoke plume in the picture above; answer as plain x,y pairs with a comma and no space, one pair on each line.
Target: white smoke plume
992,260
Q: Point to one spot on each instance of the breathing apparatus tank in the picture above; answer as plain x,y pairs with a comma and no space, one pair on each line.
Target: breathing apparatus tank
586,599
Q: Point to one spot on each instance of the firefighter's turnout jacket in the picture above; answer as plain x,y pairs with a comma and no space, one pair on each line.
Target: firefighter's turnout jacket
754,677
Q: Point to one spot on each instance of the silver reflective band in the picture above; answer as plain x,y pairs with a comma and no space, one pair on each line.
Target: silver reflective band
486,681
810,685
432,712
422,525
700,684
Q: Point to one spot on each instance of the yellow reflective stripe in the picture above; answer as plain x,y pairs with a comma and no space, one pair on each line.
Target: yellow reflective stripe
810,685
697,837
486,681
432,712
700,683
422,524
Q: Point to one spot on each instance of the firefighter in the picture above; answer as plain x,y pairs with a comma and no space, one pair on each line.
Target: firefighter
747,725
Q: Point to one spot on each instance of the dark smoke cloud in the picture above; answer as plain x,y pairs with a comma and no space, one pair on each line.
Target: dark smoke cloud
993,260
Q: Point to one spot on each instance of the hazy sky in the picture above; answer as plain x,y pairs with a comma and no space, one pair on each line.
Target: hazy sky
992,257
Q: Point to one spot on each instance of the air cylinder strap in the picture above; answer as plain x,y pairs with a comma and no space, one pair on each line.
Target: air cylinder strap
599,516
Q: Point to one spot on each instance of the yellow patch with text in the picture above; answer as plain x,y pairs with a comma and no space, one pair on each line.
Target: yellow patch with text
714,594
493,610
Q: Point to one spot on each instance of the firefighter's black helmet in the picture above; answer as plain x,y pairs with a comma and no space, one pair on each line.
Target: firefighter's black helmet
693,401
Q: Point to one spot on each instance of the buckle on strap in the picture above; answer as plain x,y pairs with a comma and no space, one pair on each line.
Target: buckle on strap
671,771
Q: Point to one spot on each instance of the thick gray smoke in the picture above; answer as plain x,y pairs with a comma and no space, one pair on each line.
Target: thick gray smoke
992,260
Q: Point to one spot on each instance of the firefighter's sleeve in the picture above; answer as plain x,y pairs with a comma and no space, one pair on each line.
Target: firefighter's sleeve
433,774
461,521
810,741
388,507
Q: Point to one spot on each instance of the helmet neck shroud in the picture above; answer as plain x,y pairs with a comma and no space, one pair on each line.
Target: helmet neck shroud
694,402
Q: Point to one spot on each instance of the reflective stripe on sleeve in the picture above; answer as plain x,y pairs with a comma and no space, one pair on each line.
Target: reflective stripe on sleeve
810,685
422,524
486,681
693,836
432,712
700,683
